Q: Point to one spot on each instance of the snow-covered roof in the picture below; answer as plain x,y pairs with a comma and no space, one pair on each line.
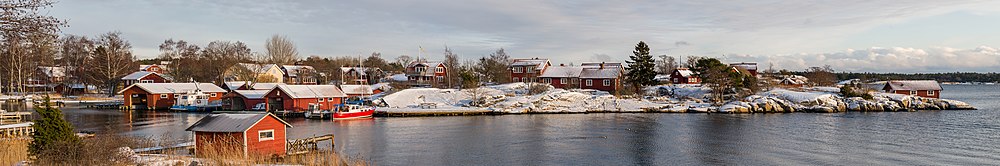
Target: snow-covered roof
142,74
745,65
538,63
399,77
252,94
359,70
684,72
430,67
912,85
144,67
230,122
257,67
257,86
598,64
562,71
606,72
53,71
357,89
311,91
161,88
293,70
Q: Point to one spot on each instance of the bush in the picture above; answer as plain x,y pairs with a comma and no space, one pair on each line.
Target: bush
849,91
53,135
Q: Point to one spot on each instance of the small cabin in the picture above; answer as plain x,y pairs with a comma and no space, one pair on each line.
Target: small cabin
154,96
922,88
145,77
562,76
299,98
684,76
240,134
601,76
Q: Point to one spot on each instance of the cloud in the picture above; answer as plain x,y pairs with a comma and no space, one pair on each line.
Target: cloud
891,59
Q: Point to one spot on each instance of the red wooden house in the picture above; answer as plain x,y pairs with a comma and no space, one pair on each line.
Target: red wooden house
300,75
528,70
145,77
298,98
684,76
922,88
748,66
162,95
246,134
562,76
162,69
603,76
427,73
242,85
241,100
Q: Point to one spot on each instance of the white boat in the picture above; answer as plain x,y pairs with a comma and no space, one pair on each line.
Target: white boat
193,101
315,113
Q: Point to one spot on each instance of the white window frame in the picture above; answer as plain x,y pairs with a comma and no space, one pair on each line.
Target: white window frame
261,139
215,94
145,81
420,69
329,99
562,81
439,69
913,92
322,99
153,69
676,80
547,80
518,69
590,82
930,92
516,79
529,69
607,82
164,96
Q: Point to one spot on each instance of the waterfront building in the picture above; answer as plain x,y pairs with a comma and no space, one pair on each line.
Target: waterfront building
300,98
528,70
145,77
922,88
243,134
154,96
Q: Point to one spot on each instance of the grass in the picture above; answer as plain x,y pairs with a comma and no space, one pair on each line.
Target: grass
13,150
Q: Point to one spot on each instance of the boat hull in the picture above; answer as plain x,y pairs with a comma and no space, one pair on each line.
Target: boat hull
353,115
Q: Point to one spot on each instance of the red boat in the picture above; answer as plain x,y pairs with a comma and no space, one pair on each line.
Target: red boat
351,111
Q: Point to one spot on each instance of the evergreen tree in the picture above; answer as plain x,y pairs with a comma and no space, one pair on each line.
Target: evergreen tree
52,135
641,67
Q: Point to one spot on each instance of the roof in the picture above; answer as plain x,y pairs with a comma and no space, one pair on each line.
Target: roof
161,88
310,91
230,122
912,85
562,71
607,72
53,71
142,74
598,64
252,94
538,63
357,89
293,70
684,72
257,86
359,70
429,71
745,65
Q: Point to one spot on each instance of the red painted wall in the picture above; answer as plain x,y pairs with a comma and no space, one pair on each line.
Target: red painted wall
266,147
154,101
299,104
219,141
921,93
598,84
156,78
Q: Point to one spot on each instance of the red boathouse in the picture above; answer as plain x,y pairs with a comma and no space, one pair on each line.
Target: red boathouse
922,88
245,134
298,98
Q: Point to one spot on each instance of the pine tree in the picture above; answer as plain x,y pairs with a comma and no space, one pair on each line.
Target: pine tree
641,67
52,134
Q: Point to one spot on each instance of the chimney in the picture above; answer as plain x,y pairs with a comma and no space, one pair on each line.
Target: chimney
602,65
562,64
536,58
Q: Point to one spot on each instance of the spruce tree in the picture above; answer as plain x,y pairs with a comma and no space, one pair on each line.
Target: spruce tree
641,67
52,133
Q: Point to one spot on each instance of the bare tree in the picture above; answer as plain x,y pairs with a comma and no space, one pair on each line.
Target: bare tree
182,57
666,64
281,50
822,76
452,64
218,56
75,57
23,30
113,59
404,60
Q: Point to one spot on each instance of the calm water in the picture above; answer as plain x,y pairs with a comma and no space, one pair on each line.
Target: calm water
924,138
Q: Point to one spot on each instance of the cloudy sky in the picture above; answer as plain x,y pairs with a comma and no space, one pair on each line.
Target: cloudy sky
850,35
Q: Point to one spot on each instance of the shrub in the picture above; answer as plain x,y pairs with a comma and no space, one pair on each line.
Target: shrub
850,91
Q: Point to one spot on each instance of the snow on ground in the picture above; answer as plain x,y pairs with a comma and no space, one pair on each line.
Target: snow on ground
514,98
801,97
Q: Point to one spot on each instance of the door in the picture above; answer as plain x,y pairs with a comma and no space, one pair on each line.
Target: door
275,104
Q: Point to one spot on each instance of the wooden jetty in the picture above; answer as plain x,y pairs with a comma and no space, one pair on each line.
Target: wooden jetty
13,125
103,104
301,146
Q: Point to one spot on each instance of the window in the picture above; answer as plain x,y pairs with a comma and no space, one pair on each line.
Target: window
154,69
516,79
930,92
265,135
590,82
145,81
562,81
440,78
420,69
546,80
518,70
321,99
913,92
607,82
531,69
439,69
676,81
215,94
163,96
526,79
329,99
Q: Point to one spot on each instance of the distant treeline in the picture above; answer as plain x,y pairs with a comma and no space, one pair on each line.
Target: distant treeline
941,77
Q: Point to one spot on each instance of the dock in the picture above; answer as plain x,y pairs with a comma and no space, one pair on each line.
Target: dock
103,104
15,124
305,145
390,112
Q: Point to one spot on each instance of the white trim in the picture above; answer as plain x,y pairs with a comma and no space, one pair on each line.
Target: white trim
516,79
562,81
261,139
913,92
163,96
930,92
215,94
246,150
518,69
590,82
607,82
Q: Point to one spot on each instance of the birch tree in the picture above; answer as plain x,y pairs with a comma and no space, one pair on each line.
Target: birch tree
113,59
218,56
181,55
75,56
22,28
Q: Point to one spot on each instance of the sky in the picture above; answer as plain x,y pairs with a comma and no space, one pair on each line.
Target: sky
908,36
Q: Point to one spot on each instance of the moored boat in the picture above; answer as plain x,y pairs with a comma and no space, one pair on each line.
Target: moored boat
353,111
194,101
